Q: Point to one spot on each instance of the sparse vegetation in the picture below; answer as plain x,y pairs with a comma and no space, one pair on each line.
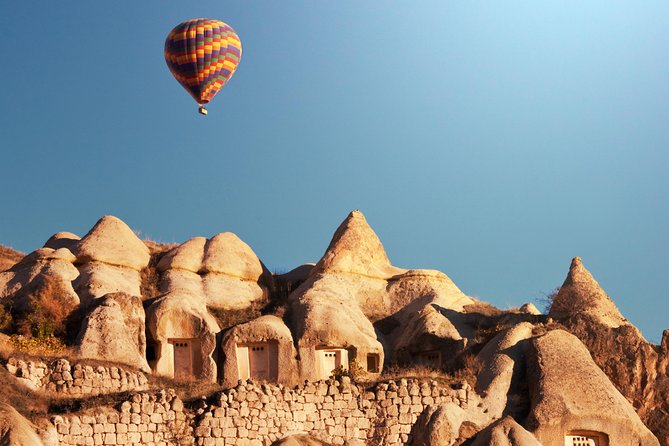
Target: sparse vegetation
9,257
149,276
545,301
48,308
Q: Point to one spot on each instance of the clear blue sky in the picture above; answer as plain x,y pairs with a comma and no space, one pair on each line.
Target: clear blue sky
491,140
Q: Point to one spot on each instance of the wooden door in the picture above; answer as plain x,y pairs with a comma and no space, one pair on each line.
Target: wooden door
183,360
259,362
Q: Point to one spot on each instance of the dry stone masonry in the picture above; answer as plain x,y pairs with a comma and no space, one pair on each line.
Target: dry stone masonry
75,380
251,414
145,419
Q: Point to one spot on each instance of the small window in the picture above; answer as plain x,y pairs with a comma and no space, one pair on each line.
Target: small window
586,438
373,363
150,352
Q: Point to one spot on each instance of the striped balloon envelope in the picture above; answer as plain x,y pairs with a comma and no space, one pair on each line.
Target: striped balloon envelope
202,55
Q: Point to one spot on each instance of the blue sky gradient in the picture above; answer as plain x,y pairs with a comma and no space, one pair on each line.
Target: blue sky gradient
492,141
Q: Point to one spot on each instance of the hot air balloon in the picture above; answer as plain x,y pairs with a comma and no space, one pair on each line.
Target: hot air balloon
202,55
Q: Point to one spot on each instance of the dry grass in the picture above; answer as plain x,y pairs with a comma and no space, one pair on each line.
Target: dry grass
150,277
416,372
48,309
9,257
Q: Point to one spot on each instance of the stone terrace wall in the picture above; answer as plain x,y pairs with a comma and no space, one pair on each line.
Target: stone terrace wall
256,415
145,419
333,411
78,380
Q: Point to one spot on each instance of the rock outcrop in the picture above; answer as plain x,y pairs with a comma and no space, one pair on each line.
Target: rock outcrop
223,270
268,334
581,297
16,430
9,257
570,394
110,259
505,432
182,317
43,274
65,240
501,382
115,331
636,367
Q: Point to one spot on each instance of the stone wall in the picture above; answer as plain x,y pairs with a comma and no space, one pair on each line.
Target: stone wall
249,414
75,380
145,419
333,411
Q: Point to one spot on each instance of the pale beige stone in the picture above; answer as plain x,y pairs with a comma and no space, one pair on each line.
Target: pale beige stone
223,270
268,333
111,241
62,240
15,430
505,432
570,393
581,295
114,330
182,316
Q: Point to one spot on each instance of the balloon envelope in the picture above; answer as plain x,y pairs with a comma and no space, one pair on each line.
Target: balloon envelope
202,55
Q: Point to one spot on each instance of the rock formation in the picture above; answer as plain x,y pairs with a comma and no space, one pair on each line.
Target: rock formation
115,330
224,270
110,259
43,274
570,394
9,257
15,430
262,349
581,297
182,318
505,432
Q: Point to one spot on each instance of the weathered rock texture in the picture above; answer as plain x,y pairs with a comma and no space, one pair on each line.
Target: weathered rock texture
110,259
9,257
505,432
569,393
271,333
115,330
223,270
78,379
43,274
581,297
180,315
15,430
637,368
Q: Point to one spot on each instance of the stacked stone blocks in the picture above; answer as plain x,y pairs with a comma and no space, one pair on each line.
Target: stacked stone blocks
79,379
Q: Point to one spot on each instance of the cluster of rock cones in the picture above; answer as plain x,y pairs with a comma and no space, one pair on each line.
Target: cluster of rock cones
580,371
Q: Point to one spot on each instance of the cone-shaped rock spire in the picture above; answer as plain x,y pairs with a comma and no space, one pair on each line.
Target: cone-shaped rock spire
355,248
580,294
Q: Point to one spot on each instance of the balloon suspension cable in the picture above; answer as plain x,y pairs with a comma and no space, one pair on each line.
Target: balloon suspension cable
202,110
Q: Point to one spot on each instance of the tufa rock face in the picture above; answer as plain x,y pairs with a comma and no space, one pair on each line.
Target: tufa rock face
223,270
111,241
274,335
569,393
505,432
181,315
15,430
111,258
62,240
43,274
503,366
581,295
356,249
114,330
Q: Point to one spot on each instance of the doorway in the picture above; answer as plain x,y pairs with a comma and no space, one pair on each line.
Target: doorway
183,358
